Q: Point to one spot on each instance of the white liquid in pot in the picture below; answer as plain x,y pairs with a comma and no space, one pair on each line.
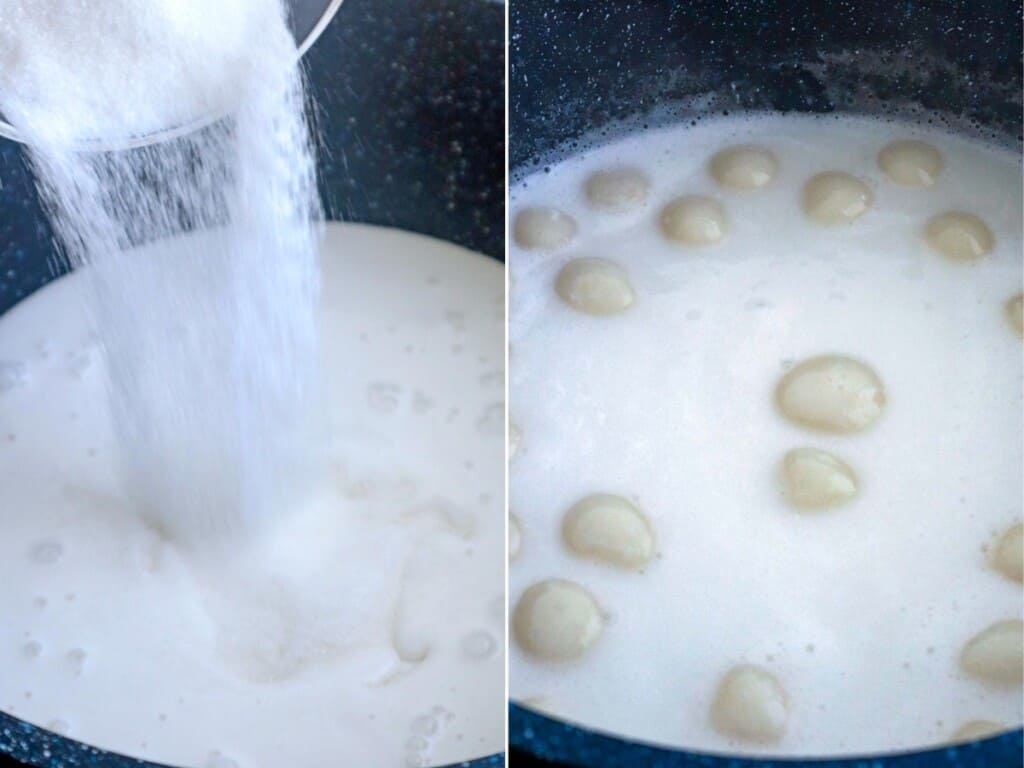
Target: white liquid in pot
819,605
365,628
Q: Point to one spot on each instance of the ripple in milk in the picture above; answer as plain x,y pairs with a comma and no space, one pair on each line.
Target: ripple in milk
647,371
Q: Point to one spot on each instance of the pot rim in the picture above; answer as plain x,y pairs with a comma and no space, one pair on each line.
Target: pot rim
33,745
567,742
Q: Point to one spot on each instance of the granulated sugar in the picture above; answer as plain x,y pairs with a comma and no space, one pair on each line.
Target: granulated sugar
213,414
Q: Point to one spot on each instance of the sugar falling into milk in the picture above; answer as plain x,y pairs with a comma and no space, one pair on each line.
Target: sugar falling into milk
211,363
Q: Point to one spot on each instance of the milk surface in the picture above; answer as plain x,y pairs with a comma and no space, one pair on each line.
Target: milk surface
860,611
366,628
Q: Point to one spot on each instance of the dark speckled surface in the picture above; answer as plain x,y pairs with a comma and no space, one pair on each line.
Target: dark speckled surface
583,71
411,105
578,65
409,99
537,741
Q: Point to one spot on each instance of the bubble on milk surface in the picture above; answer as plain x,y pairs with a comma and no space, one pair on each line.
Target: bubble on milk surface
13,374
76,659
80,363
383,396
425,725
479,645
46,551
492,420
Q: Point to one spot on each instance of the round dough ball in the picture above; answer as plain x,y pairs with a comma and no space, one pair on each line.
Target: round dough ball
750,704
996,655
556,620
610,529
976,729
694,220
831,393
594,286
1008,553
959,236
744,167
515,537
543,228
834,197
813,479
617,191
1015,313
910,163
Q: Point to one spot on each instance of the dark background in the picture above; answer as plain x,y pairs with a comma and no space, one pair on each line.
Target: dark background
519,759
577,65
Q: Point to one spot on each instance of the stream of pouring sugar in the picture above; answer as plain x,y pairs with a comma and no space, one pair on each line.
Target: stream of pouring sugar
211,355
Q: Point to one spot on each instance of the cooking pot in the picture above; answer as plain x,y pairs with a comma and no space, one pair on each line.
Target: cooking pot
583,72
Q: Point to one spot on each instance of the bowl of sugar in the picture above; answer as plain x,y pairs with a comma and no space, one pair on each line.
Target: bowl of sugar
765,491
250,388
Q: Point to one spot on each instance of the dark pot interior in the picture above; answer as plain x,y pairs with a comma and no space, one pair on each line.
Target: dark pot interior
585,71
410,111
